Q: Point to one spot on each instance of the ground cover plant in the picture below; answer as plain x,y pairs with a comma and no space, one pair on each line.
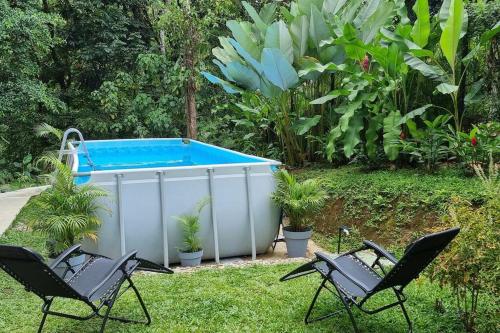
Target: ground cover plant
249,299
387,205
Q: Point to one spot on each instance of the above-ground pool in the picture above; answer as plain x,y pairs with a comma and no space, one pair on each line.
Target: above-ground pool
152,181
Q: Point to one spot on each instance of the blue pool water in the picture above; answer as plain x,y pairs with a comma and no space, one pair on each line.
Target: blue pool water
155,153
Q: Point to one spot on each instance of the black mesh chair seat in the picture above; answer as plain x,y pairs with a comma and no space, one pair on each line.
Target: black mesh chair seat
93,272
97,281
355,281
363,278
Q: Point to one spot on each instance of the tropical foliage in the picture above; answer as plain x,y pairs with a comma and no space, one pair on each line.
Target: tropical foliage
66,213
300,201
190,224
471,264
347,70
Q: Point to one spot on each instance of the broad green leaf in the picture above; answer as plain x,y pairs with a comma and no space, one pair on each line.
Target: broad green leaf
414,131
351,136
247,56
422,27
374,125
315,66
268,89
278,70
318,29
444,14
333,136
331,95
223,69
300,36
304,6
243,76
268,12
227,53
474,89
331,7
348,112
278,36
452,31
228,87
412,114
371,27
394,60
242,32
307,66
391,135
446,88
487,35
427,70
368,10
255,17
354,47
335,54
351,10
303,125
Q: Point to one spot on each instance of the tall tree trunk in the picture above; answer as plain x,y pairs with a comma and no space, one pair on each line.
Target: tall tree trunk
191,114
190,88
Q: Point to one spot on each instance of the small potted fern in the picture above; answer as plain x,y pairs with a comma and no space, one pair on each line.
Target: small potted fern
299,201
192,250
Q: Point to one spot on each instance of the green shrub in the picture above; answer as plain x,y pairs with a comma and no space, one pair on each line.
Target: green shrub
471,265
66,213
299,200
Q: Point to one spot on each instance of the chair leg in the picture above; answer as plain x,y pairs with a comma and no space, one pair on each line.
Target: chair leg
109,305
405,313
348,308
322,285
146,313
45,309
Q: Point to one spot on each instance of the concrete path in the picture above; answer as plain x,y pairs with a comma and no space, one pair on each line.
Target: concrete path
12,202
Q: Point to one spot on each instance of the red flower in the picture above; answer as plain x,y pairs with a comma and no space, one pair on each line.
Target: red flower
402,135
473,141
365,63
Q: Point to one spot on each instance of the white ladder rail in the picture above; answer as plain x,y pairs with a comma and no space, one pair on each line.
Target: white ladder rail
63,151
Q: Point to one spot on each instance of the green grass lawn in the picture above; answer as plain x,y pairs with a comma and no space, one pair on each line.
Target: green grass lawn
249,299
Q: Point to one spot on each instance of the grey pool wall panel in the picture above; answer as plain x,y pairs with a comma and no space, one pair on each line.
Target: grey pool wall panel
144,203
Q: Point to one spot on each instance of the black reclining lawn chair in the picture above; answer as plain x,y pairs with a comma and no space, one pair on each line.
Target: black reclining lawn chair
355,281
96,282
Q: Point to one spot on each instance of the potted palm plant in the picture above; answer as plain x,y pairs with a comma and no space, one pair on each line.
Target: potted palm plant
66,213
192,251
299,201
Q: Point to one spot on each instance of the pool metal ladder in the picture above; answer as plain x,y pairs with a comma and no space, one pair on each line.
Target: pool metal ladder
63,151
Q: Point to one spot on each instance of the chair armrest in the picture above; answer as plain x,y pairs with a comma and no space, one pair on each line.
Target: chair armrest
333,267
117,266
380,251
65,255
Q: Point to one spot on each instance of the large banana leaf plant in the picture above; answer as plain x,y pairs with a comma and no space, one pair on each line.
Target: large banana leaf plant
283,58
443,64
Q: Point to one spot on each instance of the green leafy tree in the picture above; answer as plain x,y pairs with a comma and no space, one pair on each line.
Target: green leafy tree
26,39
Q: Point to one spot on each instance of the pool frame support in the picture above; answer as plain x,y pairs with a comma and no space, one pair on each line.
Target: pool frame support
164,220
250,212
121,218
213,213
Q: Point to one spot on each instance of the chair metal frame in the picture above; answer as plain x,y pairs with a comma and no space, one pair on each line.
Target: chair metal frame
127,265
386,279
